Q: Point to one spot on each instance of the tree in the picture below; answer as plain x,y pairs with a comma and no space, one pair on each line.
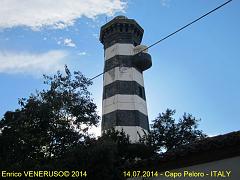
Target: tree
100,158
166,134
49,123
50,131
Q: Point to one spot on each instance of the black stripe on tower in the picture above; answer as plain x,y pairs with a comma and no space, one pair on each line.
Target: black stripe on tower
140,62
125,118
125,88
120,61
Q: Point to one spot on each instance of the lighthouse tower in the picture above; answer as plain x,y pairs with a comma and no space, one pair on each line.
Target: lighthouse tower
124,102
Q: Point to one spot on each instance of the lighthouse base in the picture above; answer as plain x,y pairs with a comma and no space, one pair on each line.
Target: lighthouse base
134,132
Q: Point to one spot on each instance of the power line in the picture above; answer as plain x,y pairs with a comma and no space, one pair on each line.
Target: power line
158,41
180,29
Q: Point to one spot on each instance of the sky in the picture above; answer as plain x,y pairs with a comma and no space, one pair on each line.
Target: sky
195,71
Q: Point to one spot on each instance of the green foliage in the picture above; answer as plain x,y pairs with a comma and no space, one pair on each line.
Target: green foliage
99,157
166,134
50,131
126,150
49,123
106,157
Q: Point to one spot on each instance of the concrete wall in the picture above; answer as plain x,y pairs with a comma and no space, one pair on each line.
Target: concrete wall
209,171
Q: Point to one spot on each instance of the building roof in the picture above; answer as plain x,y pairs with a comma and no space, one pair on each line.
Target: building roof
202,151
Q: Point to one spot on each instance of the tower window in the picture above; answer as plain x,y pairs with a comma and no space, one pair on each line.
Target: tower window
121,28
126,27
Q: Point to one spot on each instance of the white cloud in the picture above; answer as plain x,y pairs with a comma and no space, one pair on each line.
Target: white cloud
54,13
35,64
165,3
95,35
82,53
69,42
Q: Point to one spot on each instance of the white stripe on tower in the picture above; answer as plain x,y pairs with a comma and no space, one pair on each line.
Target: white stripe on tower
124,102
118,49
123,74
129,102
133,131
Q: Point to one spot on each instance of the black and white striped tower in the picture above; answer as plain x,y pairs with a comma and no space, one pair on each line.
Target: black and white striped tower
124,101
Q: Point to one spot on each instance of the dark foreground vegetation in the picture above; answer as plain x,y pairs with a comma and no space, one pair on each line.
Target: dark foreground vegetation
50,131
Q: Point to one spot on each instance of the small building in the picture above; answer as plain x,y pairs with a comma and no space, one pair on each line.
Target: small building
211,158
